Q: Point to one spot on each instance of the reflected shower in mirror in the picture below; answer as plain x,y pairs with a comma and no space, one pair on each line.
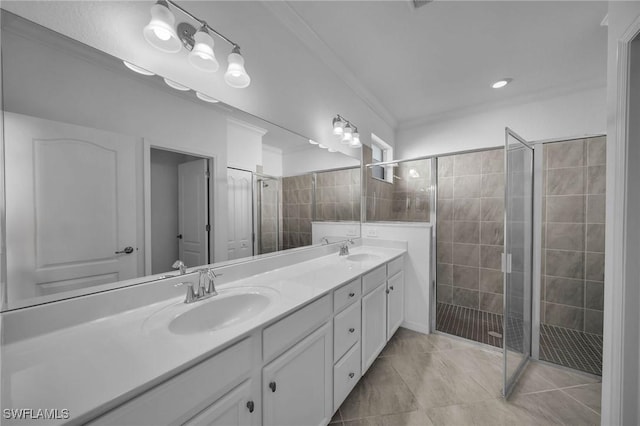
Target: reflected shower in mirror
112,175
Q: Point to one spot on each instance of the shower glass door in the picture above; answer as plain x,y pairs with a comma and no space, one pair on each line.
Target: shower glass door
517,257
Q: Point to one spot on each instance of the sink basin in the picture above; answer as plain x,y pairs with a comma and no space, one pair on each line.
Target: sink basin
362,257
230,307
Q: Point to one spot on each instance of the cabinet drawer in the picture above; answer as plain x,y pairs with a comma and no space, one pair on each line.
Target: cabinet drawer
168,403
395,266
346,295
346,330
374,278
346,374
279,336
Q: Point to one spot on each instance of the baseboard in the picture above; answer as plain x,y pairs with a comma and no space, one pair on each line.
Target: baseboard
420,328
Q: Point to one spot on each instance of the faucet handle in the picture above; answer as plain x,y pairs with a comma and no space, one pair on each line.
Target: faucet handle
191,293
179,264
211,289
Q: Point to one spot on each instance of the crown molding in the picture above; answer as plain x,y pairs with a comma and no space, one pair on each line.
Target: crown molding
287,15
493,105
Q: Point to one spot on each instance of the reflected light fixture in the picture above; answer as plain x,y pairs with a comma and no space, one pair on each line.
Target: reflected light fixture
322,146
312,142
338,125
176,86
332,150
501,83
346,131
206,98
162,34
414,173
137,69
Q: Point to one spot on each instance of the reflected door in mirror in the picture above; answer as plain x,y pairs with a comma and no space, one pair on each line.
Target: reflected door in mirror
193,213
240,214
71,205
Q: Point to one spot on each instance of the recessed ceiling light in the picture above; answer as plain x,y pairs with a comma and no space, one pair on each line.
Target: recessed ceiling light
501,83
137,69
206,98
175,85
312,142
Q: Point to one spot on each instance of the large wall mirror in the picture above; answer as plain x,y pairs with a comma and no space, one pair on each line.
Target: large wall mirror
111,176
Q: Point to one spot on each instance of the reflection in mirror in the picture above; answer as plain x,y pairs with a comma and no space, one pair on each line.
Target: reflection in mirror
405,193
112,176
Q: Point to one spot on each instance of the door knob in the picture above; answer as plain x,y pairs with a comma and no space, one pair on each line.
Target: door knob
127,250
250,406
179,236
351,330
272,386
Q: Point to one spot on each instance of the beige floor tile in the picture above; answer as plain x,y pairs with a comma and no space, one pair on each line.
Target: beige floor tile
442,342
380,391
590,395
407,341
561,377
500,412
412,418
555,407
367,421
451,415
532,380
336,418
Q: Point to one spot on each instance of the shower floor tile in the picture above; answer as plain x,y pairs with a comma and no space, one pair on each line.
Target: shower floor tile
570,348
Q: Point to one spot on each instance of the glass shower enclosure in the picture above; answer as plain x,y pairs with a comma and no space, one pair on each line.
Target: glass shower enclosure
517,258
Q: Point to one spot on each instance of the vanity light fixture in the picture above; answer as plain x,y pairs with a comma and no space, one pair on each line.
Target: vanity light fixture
137,69
347,131
322,146
206,98
161,33
312,142
501,83
176,86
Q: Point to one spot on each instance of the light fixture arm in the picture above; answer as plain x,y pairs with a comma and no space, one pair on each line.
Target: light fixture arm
201,22
345,121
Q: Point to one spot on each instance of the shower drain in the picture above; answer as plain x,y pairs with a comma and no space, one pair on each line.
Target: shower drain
495,334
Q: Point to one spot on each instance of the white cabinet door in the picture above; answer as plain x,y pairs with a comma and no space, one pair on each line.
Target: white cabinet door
374,325
297,386
236,408
395,303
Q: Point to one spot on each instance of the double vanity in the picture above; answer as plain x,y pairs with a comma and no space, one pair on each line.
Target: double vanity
282,343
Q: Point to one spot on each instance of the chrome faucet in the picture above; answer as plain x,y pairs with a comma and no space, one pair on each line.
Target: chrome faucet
344,248
179,264
206,286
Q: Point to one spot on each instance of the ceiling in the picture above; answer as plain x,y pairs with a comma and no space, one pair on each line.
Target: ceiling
406,64
443,56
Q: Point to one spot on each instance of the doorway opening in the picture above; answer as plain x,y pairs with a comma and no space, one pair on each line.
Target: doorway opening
180,210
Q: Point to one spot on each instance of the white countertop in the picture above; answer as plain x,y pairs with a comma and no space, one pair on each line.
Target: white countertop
92,367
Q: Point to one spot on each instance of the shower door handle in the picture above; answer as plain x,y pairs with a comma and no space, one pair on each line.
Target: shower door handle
506,263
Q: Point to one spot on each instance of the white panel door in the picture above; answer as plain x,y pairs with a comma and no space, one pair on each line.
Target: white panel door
297,386
374,325
71,205
240,215
193,213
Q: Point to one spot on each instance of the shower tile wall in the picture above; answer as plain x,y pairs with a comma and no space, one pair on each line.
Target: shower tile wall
297,211
470,230
338,195
269,217
573,234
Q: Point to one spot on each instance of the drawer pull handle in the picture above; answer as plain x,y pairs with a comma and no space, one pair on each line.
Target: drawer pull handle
351,375
352,294
351,330
250,406
391,287
272,386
